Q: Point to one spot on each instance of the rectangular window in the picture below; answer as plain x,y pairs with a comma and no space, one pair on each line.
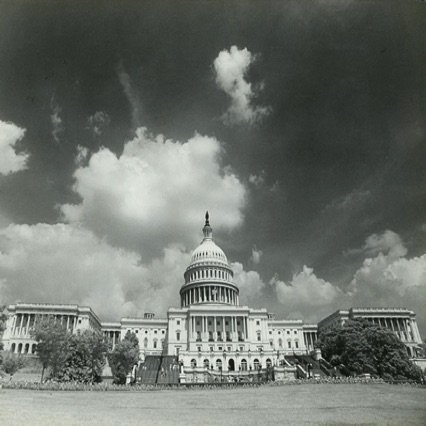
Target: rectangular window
177,336
178,322
289,345
297,344
257,322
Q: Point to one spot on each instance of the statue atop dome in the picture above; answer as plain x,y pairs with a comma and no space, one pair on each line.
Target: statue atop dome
207,230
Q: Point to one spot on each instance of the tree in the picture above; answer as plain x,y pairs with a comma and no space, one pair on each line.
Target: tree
367,348
122,358
85,358
52,343
11,363
3,319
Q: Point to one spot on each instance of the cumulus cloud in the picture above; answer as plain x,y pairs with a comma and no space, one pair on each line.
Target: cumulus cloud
231,67
98,121
131,95
10,160
249,283
55,119
388,242
156,192
69,264
307,296
389,278
385,279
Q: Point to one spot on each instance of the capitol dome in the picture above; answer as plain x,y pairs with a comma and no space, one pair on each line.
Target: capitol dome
208,278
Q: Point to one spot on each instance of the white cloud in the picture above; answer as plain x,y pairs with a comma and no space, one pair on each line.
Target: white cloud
155,194
231,67
82,153
388,242
69,264
10,161
131,94
55,119
307,296
389,279
249,283
98,121
255,255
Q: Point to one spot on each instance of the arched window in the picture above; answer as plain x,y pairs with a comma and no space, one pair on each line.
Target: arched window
34,348
27,348
155,343
256,364
193,362
218,364
206,363
280,343
12,348
145,342
243,365
20,348
268,363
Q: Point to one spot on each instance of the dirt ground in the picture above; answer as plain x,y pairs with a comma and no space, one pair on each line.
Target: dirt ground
292,405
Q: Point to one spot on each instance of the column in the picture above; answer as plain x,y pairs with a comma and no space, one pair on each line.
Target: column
214,328
13,325
392,324
28,324
415,330
224,329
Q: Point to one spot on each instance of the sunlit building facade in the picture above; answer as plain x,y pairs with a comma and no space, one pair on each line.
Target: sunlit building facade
211,332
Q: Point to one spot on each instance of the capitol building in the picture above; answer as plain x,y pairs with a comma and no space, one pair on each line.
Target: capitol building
211,335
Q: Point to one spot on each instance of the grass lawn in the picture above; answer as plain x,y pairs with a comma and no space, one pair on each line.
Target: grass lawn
294,405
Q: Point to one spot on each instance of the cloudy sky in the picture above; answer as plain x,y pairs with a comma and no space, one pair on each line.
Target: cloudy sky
300,127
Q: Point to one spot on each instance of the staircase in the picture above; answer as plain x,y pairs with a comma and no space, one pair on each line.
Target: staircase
159,369
304,360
